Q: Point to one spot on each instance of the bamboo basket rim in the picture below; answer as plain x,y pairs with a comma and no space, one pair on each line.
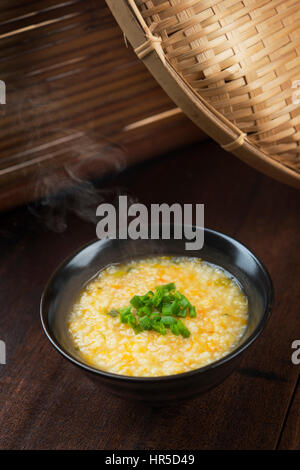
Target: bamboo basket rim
197,108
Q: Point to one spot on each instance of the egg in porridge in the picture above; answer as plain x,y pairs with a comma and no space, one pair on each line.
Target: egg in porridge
158,316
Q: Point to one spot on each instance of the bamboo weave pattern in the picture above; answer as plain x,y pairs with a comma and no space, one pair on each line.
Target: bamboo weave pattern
243,57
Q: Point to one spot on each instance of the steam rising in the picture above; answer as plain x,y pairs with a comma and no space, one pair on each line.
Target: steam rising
71,188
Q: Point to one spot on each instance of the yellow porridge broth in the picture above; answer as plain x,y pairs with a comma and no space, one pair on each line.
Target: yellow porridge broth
107,344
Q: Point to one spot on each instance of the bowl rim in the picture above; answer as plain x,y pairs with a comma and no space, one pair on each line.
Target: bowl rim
224,360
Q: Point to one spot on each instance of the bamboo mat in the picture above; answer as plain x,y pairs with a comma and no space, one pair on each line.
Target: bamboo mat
79,103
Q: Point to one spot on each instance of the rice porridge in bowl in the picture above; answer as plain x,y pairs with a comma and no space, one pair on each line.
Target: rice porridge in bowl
158,316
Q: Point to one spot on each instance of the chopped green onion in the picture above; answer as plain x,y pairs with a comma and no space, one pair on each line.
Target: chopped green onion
137,301
168,321
144,311
118,273
174,329
113,313
183,329
171,308
145,323
158,326
155,317
157,311
193,313
124,313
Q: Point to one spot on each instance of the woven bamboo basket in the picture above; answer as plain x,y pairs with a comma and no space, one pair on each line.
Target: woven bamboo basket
233,66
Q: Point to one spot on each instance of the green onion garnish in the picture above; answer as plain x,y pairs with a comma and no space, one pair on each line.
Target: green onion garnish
159,310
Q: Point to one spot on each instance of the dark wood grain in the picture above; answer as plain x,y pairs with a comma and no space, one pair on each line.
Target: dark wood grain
70,80
290,438
47,403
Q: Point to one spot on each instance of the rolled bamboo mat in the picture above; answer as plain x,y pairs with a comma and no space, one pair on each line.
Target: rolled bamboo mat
79,102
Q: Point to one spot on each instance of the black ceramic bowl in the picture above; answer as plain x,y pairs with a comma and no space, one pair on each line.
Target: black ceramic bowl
64,286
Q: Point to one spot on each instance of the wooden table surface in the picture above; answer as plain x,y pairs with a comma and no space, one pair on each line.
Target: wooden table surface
47,403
